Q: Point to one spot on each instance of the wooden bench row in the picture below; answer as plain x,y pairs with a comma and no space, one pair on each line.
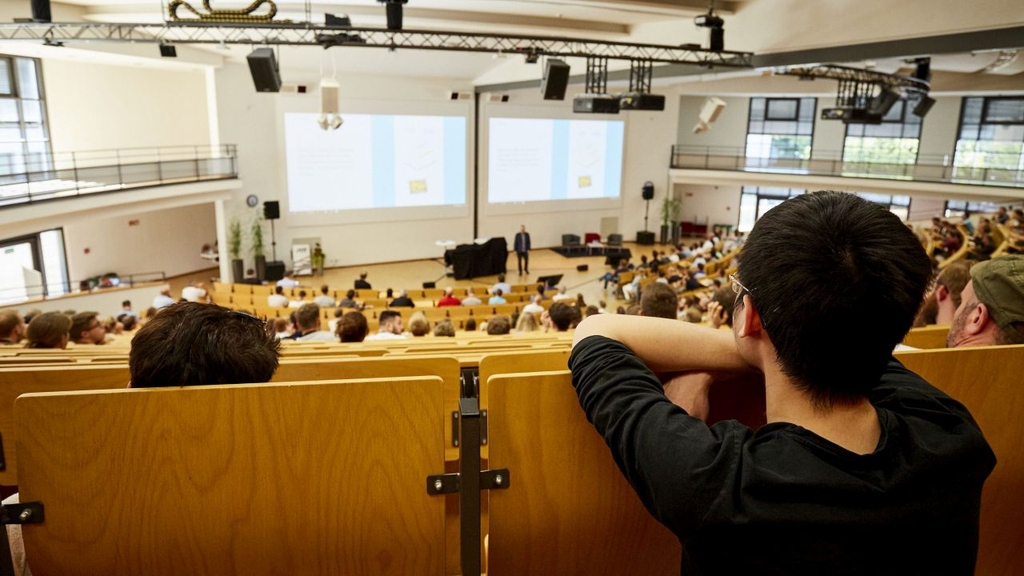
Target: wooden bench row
254,291
331,476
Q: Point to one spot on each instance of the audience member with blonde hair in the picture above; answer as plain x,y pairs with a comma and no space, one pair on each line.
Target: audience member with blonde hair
418,324
528,323
444,328
49,330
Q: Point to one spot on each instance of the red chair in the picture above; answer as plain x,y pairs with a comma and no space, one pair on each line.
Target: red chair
591,237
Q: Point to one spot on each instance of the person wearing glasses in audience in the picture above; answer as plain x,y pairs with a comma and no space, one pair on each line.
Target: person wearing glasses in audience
86,328
862,467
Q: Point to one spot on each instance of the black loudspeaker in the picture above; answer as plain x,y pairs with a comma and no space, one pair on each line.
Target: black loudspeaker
648,191
429,285
582,268
168,51
275,271
393,11
263,67
555,81
923,106
884,102
645,238
41,10
272,210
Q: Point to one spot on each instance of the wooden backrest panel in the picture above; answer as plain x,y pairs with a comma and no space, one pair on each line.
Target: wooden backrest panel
17,381
268,479
989,381
927,337
568,509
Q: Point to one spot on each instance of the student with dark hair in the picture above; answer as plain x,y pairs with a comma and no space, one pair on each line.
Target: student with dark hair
12,327
561,317
361,283
720,309
390,326
192,344
86,328
862,468
277,299
48,330
325,300
499,325
659,301
352,327
308,319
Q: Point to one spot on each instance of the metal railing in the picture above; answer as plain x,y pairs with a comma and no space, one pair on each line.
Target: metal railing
57,290
38,177
928,168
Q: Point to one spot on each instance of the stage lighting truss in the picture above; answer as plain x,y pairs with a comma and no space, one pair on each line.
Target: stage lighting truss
307,34
855,78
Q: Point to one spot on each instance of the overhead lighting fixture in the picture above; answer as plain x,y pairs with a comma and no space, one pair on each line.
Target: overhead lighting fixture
393,11
337,21
639,96
715,26
596,99
168,50
330,113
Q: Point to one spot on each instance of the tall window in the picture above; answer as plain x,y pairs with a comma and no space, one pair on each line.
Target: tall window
991,142
896,203
894,141
24,138
779,129
33,266
756,200
958,208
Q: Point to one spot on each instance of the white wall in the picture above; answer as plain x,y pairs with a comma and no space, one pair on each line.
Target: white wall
729,130
168,241
709,204
101,106
939,129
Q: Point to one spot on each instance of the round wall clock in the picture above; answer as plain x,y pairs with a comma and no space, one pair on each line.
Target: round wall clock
252,200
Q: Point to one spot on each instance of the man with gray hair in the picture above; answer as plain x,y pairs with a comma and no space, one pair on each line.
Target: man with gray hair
991,311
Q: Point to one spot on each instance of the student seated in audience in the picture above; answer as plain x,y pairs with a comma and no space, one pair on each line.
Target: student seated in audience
48,330
188,344
163,299
444,328
288,281
361,283
403,301
720,308
944,298
12,328
499,325
863,467
112,326
505,287
390,327
86,328
991,310
630,290
561,295
349,301
352,327
449,298
128,323
542,293
528,322
659,301
277,299
419,325
282,328
126,308
308,319
497,298
194,292
613,276
534,307
470,324
560,317
325,300
471,298
300,301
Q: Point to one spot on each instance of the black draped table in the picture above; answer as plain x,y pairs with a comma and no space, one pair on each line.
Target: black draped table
472,260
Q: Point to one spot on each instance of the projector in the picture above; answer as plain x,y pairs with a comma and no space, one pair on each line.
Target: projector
638,101
851,115
595,104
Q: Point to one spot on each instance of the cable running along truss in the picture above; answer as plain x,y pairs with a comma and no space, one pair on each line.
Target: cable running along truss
325,36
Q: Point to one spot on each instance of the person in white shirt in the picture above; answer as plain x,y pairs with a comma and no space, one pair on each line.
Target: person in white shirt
288,281
501,285
277,299
163,299
390,327
534,306
300,301
325,300
194,292
561,294
471,299
497,298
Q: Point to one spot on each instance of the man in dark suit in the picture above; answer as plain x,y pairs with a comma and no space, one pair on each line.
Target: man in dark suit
522,248
361,283
402,300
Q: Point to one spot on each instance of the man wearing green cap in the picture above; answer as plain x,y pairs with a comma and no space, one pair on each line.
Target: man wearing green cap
991,311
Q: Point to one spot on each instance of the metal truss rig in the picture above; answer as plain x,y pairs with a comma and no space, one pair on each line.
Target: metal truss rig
327,37
867,77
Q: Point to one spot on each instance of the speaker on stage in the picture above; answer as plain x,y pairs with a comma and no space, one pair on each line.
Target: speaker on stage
275,271
556,80
272,210
645,238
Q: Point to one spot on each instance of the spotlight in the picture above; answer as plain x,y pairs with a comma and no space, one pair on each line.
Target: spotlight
337,21
532,57
168,50
336,121
393,10
330,116
715,26
324,121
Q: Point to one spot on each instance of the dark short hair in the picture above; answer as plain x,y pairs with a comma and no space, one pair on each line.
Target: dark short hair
278,289
837,281
9,320
46,330
126,303
659,301
726,298
388,315
82,322
955,277
189,343
324,289
307,316
564,316
352,327
499,325
350,294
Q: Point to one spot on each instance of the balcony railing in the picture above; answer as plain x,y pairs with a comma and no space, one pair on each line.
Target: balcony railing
927,168
70,174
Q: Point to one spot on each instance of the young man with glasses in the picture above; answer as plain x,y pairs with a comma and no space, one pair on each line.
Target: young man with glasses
862,467
86,328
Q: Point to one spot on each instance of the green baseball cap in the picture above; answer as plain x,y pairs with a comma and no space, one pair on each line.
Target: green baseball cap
999,285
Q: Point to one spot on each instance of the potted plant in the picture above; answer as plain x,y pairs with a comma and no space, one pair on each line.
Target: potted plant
258,247
669,219
235,250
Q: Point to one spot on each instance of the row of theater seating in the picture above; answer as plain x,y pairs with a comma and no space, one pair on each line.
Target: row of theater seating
333,467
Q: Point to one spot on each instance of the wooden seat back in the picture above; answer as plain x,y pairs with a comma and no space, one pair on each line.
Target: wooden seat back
987,380
568,509
927,337
17,381
317,478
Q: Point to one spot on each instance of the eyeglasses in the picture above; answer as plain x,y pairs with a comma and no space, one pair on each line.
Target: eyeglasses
737,287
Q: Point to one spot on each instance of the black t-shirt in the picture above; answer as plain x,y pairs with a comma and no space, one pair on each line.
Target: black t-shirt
783,500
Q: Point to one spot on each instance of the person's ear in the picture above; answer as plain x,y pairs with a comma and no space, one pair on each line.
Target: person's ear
749,320
941,293
978,320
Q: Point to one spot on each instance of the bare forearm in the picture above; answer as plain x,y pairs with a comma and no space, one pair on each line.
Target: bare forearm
667,345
